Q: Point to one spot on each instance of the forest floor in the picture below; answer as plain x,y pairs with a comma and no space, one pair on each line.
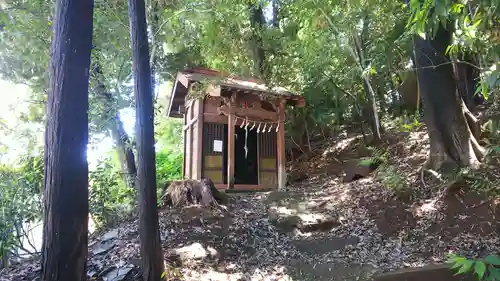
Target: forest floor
321,228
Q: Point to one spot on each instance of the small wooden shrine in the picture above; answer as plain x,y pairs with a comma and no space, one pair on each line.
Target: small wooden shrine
233,129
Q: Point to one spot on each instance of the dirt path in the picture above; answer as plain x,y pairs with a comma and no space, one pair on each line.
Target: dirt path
319,230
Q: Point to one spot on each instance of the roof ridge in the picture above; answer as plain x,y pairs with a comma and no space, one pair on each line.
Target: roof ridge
214,72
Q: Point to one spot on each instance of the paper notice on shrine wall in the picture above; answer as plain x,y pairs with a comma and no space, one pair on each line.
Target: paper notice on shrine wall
217,146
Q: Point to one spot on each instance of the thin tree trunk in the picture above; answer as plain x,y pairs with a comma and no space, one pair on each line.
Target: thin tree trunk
155,43
257,22
372,106
149,234
66,205
395,107
356,54
381,98
359,46
276,7
124,149
450,136
118,133
307,136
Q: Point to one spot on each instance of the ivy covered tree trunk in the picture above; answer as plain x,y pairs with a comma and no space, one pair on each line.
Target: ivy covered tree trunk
149,234
444,112
66,206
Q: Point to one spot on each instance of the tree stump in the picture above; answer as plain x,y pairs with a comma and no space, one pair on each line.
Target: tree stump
193,192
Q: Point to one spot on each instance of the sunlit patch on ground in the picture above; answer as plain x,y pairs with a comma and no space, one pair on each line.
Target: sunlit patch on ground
277,273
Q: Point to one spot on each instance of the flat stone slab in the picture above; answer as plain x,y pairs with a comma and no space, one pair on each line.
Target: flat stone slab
330,271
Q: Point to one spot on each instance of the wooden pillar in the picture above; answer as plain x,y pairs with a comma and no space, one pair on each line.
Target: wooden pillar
199,139
192,150
184,140
281,147
230,149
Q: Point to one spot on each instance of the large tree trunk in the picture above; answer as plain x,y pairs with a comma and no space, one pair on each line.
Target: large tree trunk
450,136
66,206
149,234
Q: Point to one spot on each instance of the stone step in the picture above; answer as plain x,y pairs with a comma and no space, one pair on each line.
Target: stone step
437,272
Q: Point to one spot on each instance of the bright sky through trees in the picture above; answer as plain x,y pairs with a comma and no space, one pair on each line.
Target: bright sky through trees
15,99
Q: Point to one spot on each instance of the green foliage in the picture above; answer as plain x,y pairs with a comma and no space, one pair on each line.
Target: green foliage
476,30
389,175
482,180
168,165
393,178
110,199
409,125
379,155
168,133
25,43
310,53
487,269
171,273
20,201
407,122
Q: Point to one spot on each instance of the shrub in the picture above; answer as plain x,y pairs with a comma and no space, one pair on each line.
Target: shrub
110,198
20,202
485,269
168,165
392,178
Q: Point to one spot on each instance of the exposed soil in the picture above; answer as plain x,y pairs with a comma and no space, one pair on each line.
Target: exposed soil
321,228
